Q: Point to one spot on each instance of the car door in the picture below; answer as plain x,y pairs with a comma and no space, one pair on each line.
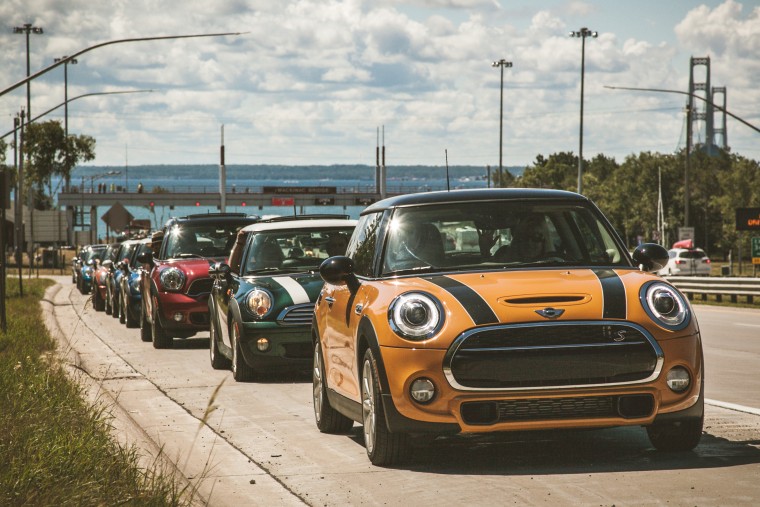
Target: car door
225,289
339,332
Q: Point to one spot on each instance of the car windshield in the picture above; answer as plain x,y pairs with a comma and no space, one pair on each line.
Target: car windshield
498,234
200,240
291,250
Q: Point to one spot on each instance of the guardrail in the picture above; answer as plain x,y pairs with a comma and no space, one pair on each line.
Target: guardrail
717,286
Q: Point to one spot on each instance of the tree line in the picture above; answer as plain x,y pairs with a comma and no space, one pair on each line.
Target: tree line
627,192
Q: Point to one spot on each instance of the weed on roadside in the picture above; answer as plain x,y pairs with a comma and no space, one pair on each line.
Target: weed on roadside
55,449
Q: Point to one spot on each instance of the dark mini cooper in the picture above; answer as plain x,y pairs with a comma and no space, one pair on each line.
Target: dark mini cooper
263,299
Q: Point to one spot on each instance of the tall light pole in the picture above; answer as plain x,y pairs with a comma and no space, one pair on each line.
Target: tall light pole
27,29
66,62
501,64
582,34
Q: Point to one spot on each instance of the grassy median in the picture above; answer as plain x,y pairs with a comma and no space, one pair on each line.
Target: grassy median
55,449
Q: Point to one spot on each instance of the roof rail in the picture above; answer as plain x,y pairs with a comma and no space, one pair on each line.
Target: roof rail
211,215
289,218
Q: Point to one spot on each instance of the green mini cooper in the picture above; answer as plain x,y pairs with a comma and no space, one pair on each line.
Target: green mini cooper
262,300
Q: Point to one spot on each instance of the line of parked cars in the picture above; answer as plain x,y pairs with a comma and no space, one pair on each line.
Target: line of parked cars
471,311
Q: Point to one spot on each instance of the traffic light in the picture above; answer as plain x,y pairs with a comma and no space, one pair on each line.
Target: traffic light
151,205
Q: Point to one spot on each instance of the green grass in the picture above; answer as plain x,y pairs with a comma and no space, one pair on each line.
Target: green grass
55,449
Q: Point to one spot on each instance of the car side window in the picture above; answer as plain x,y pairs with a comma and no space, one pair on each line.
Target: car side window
362,247
236,252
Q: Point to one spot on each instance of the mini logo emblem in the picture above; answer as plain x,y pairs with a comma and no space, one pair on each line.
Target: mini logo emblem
620,336
550,313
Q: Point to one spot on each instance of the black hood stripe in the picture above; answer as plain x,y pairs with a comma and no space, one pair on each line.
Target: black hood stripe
613,294
475,305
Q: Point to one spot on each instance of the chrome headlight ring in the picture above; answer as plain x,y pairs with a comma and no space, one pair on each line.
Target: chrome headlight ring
416,316
259,302
665,305
172,279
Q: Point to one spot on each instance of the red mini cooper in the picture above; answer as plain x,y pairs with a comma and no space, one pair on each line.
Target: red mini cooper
176,282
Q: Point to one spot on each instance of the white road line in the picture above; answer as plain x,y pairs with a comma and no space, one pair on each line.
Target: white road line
746,325
733,406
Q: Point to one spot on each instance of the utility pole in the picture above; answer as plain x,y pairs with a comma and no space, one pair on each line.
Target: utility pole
501,64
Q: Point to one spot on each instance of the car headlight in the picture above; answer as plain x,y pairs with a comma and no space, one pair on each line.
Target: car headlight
665,305
172,279
259,302
416,315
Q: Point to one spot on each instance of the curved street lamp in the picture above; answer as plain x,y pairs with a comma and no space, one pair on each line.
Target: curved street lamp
501,64
687,170
582,34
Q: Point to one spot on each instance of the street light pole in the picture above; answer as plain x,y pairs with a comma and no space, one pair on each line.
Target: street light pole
582,34
27,29
501,64
66,62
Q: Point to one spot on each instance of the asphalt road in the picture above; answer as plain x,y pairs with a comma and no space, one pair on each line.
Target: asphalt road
260,445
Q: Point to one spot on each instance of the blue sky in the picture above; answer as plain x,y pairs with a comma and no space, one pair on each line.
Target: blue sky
311,81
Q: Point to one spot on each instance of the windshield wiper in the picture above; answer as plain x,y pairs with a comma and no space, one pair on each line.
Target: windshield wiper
187,255
418,269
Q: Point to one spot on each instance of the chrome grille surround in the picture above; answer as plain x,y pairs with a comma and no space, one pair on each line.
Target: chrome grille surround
200,287
296,315
548,328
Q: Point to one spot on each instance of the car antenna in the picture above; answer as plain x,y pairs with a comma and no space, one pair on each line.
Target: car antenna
446,152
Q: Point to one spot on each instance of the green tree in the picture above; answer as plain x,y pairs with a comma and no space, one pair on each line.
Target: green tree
559,171
52,154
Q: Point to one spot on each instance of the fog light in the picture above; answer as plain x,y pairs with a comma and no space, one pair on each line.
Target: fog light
678,379
178,317
422,390
262,344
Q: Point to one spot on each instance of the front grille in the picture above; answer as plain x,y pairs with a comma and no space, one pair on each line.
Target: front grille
553,354
542,409
200,286
297,315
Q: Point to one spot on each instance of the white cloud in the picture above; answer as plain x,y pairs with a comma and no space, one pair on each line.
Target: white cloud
311,80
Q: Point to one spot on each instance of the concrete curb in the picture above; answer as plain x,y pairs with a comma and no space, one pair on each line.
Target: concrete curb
142,415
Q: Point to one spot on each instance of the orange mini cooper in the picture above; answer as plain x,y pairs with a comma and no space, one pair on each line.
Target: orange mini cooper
499,310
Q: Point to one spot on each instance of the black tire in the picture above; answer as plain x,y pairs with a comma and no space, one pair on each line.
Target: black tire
107,302
115,306
98,304
122,308
132,320
160,339
676,436
146,334
327,418
218,361
384,448
241,372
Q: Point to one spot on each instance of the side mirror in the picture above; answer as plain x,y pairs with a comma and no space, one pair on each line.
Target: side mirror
145,258
650,256
339,270
221,271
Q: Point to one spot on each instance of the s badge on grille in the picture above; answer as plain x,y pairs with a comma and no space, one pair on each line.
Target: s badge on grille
620,337
550,313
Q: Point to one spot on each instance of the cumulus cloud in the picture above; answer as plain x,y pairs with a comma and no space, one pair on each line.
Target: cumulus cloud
309,81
